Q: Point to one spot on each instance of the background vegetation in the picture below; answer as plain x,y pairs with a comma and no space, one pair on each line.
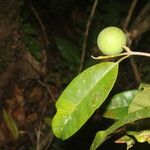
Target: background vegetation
41,46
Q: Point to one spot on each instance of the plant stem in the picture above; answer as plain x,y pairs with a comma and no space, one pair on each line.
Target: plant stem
111,56
86,34
123,54
140,54
123,58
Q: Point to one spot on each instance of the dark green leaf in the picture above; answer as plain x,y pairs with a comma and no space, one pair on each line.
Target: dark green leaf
28,29
118,106
82,97
33,46
48,120
68,50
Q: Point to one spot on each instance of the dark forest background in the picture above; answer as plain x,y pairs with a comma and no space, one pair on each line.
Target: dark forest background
41,43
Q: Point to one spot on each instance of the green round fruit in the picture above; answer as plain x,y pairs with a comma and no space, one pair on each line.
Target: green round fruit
110,40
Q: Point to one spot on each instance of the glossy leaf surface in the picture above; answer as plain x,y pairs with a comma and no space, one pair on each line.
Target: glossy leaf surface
82,97
142,99
119,104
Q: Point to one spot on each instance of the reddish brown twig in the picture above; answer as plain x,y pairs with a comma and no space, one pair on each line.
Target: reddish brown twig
144,12
139,26
128,18
86,35
132,62
138,29
46,86
41,25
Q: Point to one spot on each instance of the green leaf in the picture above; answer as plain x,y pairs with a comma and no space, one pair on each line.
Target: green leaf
11,124
142,99
118,106
28,29
68,50
126,139
141,136
48,120
33,46
101,136
82,97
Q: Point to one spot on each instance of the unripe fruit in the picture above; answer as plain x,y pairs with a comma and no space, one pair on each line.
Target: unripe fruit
110,40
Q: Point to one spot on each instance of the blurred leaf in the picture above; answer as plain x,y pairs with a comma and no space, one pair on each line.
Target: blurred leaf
2,135
146,68
82,97
68,50
146,77
33,46
101,136
48,121
119,104
142,99
28,29
11,124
